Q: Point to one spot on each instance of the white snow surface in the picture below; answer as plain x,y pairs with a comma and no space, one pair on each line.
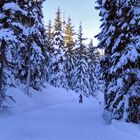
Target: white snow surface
55,114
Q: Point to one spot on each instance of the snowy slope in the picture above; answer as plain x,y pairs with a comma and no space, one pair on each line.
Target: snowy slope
55,114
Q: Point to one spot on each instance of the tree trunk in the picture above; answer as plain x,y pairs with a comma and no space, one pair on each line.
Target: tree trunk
2,55
28,79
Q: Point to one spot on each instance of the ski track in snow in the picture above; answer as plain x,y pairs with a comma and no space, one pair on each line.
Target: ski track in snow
65,120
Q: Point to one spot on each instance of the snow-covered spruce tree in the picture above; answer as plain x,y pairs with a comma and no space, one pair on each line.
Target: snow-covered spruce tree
69,34
30,57
40,56
93,61
49,49
120,37
81,76
49,38
10,30
69,44
56,61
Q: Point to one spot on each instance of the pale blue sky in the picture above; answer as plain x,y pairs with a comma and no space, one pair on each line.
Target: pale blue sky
78,10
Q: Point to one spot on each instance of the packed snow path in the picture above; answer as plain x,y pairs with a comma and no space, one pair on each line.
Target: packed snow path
65,120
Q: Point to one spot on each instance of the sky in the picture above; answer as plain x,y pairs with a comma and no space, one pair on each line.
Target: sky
78,10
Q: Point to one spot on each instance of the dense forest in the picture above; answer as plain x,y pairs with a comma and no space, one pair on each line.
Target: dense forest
32,54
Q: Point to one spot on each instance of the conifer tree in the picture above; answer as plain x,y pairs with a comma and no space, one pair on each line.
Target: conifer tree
10,31
63,23
30,57
69,34
81,75
120,38
49,33
56,61
93,61
40,39
69,54
49,39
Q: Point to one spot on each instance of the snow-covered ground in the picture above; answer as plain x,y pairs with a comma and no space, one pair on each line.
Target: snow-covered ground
55,114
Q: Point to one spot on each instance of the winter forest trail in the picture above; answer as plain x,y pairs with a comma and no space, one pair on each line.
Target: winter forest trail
65,120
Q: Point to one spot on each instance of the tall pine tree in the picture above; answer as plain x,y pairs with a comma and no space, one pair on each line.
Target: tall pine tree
10,31
30,56
120,37
81,75
93,61
56,61
69,43
49,37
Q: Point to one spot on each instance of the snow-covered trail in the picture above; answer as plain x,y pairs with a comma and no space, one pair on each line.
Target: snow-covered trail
65,120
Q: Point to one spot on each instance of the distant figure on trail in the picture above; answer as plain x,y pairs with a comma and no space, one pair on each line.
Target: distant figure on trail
80,98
